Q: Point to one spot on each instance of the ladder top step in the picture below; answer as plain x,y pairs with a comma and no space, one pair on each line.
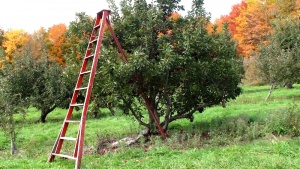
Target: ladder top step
68,138
65,156
101,12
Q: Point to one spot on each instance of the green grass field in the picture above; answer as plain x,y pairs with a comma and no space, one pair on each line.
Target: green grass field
248,133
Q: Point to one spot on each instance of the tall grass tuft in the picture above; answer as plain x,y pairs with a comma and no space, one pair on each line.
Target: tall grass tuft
284,122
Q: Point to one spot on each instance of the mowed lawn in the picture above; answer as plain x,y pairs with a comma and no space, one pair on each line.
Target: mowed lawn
247,133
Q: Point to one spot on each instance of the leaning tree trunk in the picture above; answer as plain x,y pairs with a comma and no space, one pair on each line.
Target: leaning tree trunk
13,147
270,92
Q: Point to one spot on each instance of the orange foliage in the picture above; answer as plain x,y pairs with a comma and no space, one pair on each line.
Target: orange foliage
57,38
210,27
174,16
250,21
235,12
252,26
229,19
160,34
169,31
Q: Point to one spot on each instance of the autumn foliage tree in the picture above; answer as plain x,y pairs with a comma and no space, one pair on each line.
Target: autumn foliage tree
250,25
231,20
253,25
57,38
250,21
14,41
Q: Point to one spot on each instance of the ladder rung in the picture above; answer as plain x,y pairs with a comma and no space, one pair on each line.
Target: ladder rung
86,72
91,56
97,26
68,138
93,41
72,121
81,88
65,156
74,105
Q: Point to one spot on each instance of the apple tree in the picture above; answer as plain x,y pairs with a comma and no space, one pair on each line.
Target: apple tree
173,62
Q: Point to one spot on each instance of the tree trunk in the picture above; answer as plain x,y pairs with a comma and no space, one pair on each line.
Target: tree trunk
44,115
270,92
13,148
45,112
289,86
112,111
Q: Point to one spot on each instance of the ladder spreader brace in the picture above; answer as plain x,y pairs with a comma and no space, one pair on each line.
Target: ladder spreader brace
92,54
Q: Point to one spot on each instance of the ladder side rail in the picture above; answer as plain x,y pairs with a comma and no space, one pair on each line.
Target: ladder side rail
87,54
58,143
88,94
117,41
154,116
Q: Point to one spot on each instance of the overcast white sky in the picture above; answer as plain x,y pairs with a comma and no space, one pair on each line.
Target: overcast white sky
30,15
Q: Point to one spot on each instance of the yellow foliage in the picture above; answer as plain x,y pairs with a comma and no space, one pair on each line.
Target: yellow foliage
216,27
209,27
14,41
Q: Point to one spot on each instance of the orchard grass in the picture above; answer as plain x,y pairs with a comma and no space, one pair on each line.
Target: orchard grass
248,133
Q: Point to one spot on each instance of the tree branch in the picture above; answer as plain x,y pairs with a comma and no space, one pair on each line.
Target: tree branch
134,113
188,115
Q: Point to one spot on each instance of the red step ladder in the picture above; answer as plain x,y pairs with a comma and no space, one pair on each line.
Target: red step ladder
86,79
